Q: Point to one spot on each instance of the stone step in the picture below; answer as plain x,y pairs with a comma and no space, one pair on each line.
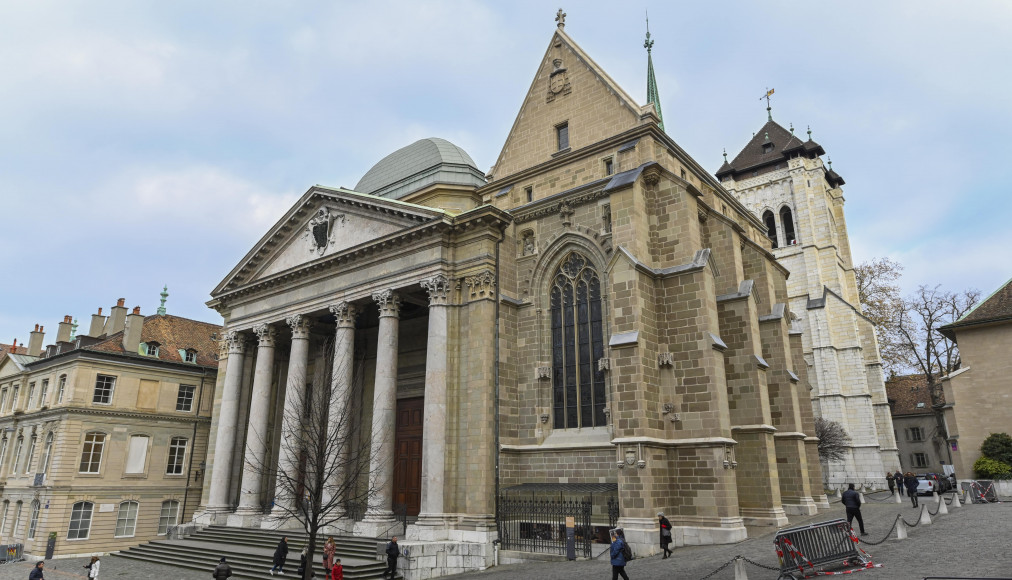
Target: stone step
346,545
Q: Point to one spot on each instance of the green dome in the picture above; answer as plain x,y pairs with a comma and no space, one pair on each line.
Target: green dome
419,165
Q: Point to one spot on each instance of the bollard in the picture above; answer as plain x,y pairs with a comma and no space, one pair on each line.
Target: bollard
861,495
942,510
925,516
837,494
739,569
897,498
901,530
955,501
935,496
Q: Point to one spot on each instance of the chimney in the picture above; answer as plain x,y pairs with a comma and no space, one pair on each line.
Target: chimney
97,324
117,316
132,330
63,329
35,341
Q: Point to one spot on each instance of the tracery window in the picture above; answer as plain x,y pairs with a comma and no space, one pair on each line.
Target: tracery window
578,391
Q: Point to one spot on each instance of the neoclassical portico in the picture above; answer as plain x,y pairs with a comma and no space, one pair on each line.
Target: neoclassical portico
392,315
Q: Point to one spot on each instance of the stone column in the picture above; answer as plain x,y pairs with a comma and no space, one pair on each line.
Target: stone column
228,419
339,414
384,409
255,460
434,432
295,405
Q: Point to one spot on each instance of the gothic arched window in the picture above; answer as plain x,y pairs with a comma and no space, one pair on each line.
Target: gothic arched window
787,219
578,393
771,226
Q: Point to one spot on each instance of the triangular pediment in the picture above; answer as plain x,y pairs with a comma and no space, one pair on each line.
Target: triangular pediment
324,222
569,87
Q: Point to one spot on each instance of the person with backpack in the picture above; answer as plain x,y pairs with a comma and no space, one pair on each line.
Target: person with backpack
222,571
620,555
665,534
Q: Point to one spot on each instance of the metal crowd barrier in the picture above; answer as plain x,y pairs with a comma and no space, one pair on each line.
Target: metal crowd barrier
814,545
11,553
981,491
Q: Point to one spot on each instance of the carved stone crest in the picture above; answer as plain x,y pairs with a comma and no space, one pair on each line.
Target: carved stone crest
558,81
665,359
319,229
543,372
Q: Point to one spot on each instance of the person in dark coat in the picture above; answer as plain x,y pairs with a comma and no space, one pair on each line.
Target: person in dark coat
852,501
222,570
280,555
891,481
301,572
665,534
899,480
910,481
36,573
618,560
392,554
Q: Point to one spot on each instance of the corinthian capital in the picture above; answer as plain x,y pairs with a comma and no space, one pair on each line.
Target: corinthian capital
389,302
300,326
265,334
236,342
344,313
438,288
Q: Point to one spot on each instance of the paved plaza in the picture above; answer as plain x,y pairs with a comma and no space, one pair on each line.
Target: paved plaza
972,541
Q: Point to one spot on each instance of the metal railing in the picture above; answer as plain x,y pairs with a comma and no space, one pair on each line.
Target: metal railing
819,544
10,553
539,525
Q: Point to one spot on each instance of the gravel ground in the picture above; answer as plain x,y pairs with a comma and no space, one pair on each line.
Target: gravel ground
972,541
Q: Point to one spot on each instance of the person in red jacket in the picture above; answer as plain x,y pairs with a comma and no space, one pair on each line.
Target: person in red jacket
337,570
665,534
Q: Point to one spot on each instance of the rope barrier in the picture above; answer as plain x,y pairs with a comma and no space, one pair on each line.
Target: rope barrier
938,508
889,533
913,525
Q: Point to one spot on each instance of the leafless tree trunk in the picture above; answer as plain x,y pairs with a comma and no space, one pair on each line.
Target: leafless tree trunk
833,439
330,478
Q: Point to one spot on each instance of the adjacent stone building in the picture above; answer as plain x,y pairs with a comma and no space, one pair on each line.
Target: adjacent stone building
782,179
922,445
978,396
595,313
103,434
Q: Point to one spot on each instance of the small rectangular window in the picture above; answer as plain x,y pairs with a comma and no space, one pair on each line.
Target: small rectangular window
609,166
184,400
31,395
684,175
562,135
920,459
137,453
104,385
177,451
529,192
190,356
44,392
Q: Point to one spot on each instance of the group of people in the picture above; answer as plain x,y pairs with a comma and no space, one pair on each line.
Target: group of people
92,567
332,565
621,553
903,481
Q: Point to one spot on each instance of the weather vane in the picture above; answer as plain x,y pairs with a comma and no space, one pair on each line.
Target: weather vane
769,110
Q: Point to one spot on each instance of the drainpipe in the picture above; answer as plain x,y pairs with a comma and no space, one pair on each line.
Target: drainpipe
193,440
495,372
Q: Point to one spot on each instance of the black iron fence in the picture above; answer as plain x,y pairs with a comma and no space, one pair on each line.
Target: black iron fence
539,525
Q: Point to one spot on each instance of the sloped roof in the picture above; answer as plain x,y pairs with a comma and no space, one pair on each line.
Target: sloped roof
418,165
772,144
172,333
995,308
909,395
19,349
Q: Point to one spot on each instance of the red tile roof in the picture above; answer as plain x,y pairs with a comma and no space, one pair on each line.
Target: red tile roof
172,333
906,393
20,349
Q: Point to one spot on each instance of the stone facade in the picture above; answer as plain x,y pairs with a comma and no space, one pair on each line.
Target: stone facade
785,183
601,312
103,442
922,444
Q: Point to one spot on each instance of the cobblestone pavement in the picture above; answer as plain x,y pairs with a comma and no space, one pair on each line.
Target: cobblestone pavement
971,541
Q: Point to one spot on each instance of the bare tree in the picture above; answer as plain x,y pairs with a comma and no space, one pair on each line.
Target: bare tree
833,439
883,305
325,479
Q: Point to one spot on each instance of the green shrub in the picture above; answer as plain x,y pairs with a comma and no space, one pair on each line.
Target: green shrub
998,446
987,468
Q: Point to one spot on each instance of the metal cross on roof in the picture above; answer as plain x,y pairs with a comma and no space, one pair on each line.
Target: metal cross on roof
769,110
560,17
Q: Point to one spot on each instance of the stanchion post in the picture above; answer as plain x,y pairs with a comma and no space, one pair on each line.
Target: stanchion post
901,530
897,498
861,495
739,569
935,496
925,516
955,501
942,510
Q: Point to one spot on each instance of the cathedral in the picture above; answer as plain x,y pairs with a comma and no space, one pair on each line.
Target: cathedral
594,331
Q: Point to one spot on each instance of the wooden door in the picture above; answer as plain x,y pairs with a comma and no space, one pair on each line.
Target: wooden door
408,455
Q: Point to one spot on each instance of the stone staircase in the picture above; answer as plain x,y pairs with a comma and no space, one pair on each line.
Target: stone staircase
249,552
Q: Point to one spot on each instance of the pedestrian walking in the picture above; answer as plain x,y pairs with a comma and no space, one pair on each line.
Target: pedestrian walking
36,573
665,534
852,501
910,481
891,481
222,570
92,567
337,572
329,547
280,555
392,553
618,556
898,476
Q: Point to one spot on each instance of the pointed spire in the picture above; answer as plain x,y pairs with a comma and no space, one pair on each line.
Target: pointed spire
164,294
652,95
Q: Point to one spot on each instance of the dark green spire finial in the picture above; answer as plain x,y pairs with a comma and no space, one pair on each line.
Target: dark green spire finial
725,154
653,95
830,163
809,132
792,128
164,294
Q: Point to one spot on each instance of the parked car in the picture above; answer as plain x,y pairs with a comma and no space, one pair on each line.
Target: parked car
943,483
931,482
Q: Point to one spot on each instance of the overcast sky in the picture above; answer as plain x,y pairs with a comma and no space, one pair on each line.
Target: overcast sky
151,143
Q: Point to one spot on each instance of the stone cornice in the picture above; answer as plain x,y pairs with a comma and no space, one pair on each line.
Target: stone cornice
60,413
124,358
586,193
693,442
